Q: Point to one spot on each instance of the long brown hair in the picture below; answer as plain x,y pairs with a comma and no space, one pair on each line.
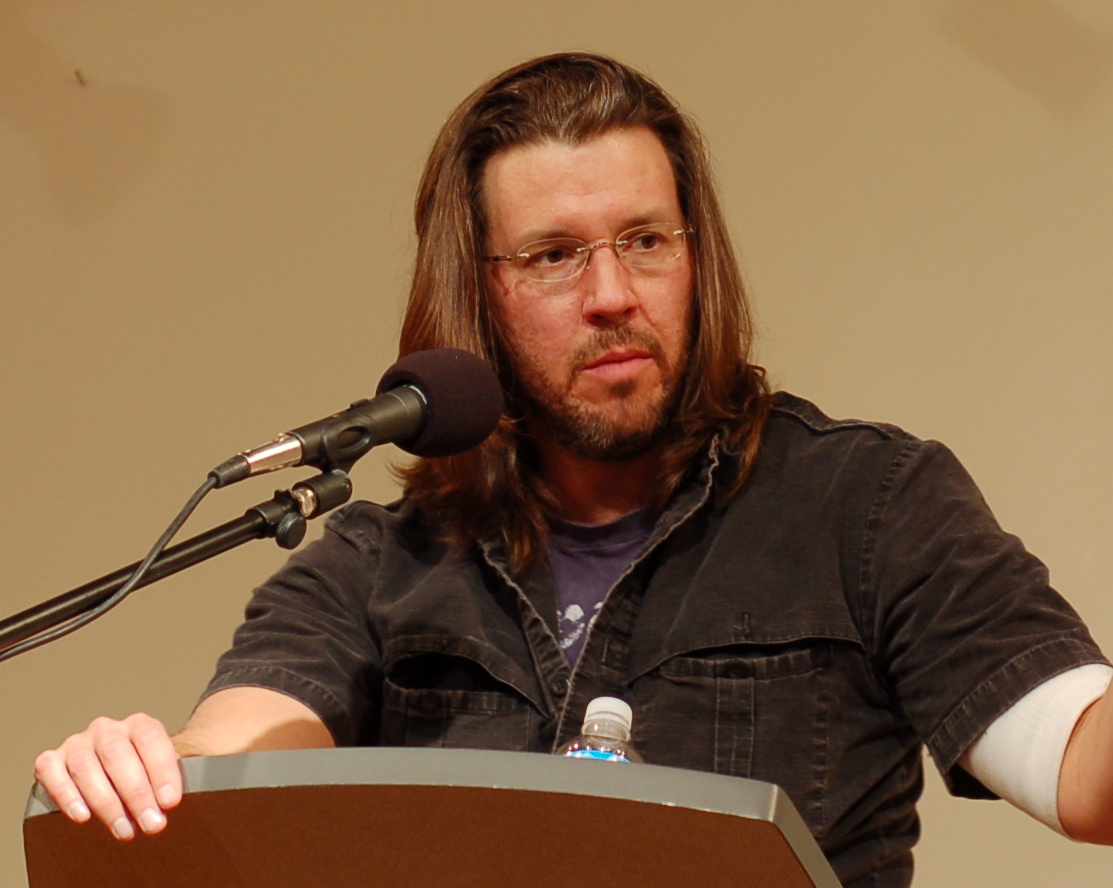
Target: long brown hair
495,490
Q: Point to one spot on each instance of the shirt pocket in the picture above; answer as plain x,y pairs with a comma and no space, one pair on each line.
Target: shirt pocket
748,710
433,698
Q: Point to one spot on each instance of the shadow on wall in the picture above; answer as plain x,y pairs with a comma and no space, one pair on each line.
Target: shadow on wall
1049,56
96,138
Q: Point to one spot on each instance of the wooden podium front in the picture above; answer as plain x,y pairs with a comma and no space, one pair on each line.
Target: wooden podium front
430,817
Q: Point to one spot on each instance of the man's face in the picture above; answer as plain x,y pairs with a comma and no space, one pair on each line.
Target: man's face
601,358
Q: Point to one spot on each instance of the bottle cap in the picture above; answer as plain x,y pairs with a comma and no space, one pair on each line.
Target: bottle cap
609,707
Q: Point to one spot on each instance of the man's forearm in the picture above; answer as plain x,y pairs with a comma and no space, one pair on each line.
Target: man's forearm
250,719
188,746
1086,777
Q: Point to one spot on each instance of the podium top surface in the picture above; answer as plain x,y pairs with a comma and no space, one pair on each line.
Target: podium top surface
415,803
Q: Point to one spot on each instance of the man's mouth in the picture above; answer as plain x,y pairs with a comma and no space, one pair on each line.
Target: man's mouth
619,356
618,364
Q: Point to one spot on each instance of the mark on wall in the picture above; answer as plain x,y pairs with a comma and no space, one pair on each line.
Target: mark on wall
96,138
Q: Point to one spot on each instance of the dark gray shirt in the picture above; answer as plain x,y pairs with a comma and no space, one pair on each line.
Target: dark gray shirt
855,601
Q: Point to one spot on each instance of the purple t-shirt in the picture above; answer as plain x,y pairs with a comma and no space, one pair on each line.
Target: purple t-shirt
587,560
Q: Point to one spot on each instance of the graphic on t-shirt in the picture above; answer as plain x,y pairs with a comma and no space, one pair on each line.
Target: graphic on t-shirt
574,623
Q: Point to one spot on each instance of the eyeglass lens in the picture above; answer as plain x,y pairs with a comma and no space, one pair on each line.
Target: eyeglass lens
560,259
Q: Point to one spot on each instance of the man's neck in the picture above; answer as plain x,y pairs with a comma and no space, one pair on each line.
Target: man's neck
594,492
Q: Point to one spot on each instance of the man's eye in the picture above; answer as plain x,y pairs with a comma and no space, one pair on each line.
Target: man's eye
549,257
645,241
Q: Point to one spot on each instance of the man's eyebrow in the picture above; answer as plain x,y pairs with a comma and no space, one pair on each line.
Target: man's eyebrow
539,234
532,235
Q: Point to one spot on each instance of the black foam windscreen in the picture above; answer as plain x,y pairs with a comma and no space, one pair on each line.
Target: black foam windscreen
463,395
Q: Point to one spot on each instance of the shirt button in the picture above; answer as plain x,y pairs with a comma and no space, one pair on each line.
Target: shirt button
559,686
428,701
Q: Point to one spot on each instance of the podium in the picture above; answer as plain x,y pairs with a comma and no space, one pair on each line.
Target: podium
341,818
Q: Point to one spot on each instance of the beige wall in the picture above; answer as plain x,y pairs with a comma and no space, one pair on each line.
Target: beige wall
208,242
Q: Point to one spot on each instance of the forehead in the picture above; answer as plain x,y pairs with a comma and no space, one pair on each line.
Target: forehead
592,189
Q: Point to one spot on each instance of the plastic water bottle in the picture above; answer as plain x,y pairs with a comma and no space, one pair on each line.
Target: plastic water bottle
606,733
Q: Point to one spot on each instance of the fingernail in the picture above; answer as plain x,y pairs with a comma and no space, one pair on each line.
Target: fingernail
166,795
121,828
78,811
152,820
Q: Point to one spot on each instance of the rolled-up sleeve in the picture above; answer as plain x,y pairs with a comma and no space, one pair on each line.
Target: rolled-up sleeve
306,634
965,619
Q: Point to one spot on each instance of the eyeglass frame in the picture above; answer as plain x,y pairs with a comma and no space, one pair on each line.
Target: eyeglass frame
590,249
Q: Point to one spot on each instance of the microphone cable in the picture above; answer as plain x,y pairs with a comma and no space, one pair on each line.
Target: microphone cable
120,594
461,402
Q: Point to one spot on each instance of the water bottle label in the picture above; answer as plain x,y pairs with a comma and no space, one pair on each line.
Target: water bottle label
598,755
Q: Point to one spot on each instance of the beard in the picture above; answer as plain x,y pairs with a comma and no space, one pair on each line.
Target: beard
625,425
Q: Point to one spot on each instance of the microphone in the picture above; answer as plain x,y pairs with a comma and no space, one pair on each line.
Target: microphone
431,403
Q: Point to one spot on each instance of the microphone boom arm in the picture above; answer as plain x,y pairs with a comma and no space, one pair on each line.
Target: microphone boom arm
282,517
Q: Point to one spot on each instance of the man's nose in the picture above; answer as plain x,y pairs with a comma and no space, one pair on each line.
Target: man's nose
606,285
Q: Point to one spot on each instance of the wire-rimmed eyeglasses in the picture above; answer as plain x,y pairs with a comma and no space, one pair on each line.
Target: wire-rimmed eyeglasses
558,259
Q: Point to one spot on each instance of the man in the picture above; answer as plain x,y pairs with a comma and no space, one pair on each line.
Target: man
779,595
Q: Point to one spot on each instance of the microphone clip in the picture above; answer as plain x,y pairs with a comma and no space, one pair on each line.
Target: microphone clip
286,515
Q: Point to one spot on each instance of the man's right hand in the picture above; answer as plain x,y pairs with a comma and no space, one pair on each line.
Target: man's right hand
125,773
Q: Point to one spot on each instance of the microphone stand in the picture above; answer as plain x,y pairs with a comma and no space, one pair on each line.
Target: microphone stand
283,517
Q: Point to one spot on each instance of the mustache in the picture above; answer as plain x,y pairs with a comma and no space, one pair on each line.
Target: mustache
617,337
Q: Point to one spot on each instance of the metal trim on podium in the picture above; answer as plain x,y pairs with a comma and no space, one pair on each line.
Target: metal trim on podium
437,817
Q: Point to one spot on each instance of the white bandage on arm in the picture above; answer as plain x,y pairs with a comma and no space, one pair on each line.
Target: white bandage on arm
1019,755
